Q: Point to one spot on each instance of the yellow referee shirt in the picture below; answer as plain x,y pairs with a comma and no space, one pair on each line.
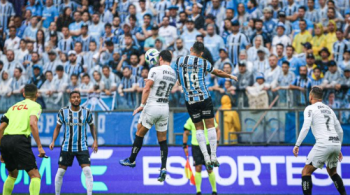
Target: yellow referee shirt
19,117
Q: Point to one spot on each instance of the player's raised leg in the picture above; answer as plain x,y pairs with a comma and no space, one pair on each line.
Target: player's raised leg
136,147
59,178
202,143
88,178
212,137
10,182
163,153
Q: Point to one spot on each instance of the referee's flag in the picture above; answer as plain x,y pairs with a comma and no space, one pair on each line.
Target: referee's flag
188,171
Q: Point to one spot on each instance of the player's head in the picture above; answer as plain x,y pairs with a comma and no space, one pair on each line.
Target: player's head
316,94
74,98
197,49
165,57
30,92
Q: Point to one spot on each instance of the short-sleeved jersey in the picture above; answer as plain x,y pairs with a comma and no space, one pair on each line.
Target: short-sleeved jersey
191,71
164,78
322,120
74,125
191,127
19,117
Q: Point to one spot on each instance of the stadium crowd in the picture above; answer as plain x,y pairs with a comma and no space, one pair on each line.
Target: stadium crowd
279,47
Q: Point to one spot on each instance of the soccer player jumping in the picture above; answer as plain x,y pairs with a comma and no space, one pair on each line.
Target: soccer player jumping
155,110
191,71
329,136
16,151
74,119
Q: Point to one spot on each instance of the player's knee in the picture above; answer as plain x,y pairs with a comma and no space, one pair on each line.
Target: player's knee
198,168
332,171
210,171
209,123
62,167
34,173
13,174
306,171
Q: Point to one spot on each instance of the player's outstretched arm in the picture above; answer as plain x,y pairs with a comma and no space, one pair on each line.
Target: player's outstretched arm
55,135
223,74
94,136
145,94
35,132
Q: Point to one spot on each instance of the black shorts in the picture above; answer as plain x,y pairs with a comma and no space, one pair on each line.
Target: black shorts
198,158
16,150
201,110
67,158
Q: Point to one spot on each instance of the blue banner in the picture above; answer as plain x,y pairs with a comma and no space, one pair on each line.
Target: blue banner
243,170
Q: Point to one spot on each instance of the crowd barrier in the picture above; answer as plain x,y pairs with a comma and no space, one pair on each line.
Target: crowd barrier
243,170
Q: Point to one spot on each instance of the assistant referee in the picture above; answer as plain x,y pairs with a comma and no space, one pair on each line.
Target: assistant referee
16,125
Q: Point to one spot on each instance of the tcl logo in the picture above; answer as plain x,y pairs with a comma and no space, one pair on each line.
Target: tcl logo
20,107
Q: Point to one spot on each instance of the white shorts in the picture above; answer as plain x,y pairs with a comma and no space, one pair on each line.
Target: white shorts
155,115
320,155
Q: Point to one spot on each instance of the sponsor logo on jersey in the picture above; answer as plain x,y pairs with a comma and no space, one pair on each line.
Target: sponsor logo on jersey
20,107
333,139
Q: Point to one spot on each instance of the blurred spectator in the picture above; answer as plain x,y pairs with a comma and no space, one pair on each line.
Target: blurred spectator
280,38
86,86
243,58
39,45
73,83
301,86
323,62
73,66
168,32
5,90
316,79
206,54
269,23
219,64
331,37
344,84
291,10
158,45
67,3
196,17
141,81
236,42
179,50
38,78
340,46
189,35
126,88
230,119
312,14
61,79
47,92
99,85
319,40
161,9
173,14
21,51
17,85
30,32
261,64
259,31
332,102
294,62
245,78
282,20
88,57
301,17
274,4
96,28
50,14
284,80
346,60
310,64
67,43
242,16
218,11
258,45
65,18
271,75
10,63
280,50
213,42
332,76
302,37
12,42
5,16
307,49
220,82
110,80
85,38
150,42
52,63
332,15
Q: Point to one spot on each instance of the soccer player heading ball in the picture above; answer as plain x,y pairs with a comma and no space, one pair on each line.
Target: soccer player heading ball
191,71
329,136
155,110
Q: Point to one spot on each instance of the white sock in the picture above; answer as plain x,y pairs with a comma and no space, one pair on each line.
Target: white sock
202,142
58,180
213,142
88,179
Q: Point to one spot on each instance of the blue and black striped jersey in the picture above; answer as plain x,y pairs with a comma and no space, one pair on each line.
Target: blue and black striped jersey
191,71
74,125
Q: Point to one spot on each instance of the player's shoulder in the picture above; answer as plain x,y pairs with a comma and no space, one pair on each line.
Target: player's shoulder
64,108
85,108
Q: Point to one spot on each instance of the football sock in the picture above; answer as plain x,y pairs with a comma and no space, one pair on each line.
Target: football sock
212,181
163,152
9,185
202,142
198,180
34,186
338,182
88,180
58,180
136,147
213,142
306,185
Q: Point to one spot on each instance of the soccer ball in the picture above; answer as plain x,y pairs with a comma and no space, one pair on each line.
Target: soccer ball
152,56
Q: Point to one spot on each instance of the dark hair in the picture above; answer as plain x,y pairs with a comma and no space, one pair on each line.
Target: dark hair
290,47
105,66
108,25
59,68
303,8
49,71
254,3
302,20
280,44
198,47
285,62
74,92
42,40
78,43
93,41
12,27
317,68
332,8
145,68
317,92
331,1
133,17
259,20
86,75
128,35
339,30
30,90
183,13
74,75
109,43
165,55
19,69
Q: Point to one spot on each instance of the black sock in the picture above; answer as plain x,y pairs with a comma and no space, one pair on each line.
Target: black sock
338,182
306,184
163,153
136,147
